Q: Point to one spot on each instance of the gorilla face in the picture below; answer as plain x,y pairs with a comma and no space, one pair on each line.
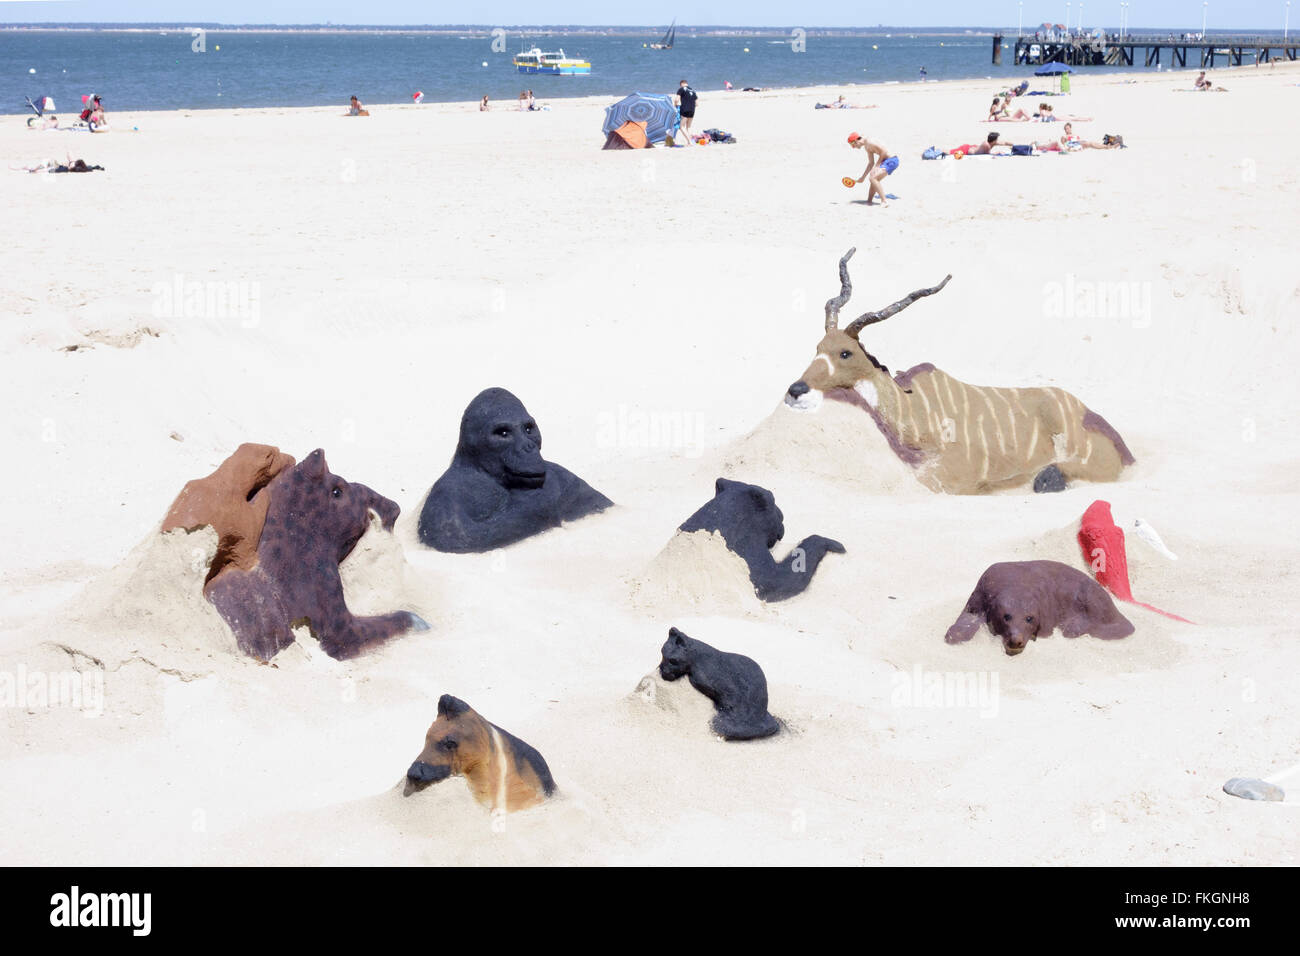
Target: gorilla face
503,440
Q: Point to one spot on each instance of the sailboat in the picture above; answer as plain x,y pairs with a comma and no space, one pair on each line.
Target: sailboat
667,42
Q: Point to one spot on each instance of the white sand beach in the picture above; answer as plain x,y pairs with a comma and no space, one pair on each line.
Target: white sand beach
362,279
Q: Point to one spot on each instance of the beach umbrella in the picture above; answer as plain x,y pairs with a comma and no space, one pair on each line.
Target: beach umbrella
1052,69
655,110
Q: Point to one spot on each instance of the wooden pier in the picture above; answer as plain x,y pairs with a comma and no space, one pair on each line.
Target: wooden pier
1126,51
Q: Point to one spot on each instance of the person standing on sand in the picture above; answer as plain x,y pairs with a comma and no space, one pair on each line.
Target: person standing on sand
684,100
881,164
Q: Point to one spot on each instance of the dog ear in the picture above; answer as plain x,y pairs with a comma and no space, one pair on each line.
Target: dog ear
676,636
449,706
313,466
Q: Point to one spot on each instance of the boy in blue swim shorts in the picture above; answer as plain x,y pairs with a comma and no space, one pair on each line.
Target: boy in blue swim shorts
881,164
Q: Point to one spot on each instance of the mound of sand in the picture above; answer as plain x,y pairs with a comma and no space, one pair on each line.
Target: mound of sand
674,708
836,442
150,610
696,572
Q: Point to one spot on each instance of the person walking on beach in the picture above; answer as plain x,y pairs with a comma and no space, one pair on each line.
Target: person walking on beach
881,164
684,100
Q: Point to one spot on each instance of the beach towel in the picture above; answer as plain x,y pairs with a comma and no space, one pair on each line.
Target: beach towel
1102,542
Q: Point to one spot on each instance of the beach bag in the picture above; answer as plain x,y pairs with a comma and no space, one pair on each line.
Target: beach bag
1110,139
932,153
1022,150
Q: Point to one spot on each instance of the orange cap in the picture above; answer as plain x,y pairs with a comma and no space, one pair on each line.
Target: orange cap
854,137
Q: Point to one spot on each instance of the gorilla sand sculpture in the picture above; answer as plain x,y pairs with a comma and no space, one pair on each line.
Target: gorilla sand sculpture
499,489
1023,600
750,522
230,502
959,438
733,682
313,521
503,772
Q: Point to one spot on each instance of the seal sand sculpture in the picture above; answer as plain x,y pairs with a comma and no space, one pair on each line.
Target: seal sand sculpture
734,683
750,522
503,772
313,520
961,439
1021,600
499,489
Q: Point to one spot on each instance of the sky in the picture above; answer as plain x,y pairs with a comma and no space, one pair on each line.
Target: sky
1221,14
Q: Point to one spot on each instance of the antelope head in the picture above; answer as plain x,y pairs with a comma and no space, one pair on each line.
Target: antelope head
842,361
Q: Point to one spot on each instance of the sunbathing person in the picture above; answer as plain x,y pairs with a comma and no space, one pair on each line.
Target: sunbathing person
1204,84
987,147
998,113
1045,115
842,104
356,109
1071,143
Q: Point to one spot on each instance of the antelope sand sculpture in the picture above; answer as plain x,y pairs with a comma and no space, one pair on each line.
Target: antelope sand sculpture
959,438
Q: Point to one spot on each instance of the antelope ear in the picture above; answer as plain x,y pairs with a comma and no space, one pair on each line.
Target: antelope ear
449,706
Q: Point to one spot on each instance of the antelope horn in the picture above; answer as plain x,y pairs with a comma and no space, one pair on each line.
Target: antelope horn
871,318
834,305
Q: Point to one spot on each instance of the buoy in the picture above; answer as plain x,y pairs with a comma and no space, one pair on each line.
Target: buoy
32,70
218,46
746,49
485,62
874,47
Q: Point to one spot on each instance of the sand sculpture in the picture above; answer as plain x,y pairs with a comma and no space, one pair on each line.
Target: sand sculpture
503,772
313,519
498,488
750,522
229,502
959,438
1020,601
1102,543
734,683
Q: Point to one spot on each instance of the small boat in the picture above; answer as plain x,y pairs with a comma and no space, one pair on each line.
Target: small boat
667,42
557,64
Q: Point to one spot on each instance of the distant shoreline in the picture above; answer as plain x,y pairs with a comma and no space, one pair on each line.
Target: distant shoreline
560,30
